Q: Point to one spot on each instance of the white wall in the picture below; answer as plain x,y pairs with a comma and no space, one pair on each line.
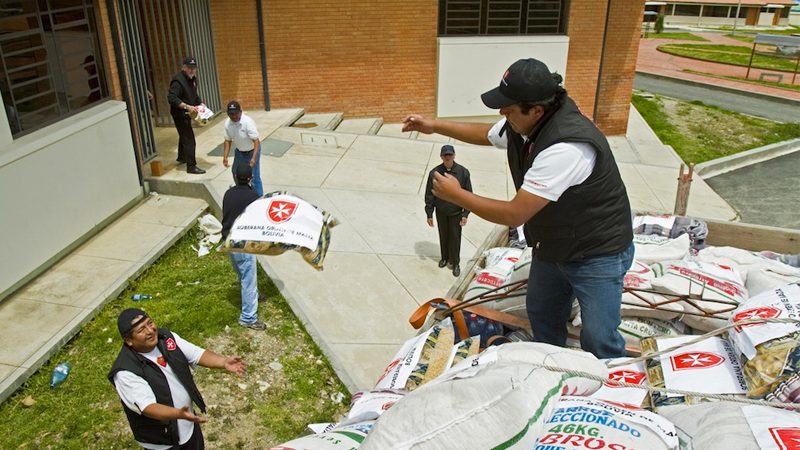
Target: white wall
58,183
470,66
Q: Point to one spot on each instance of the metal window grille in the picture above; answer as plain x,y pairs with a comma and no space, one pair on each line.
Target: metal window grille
50,63
501,17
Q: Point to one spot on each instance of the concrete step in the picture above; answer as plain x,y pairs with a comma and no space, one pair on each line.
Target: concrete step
396,130
319,121
366,125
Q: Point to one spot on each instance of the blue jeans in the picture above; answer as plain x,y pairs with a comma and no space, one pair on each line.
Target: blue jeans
245,266
244,158
597,282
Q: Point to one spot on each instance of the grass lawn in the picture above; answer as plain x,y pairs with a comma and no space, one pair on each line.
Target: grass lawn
199,299
677,35
794,87
700,133
728,54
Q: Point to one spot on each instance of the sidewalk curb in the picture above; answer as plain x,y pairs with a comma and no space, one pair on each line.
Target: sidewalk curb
730,90
730,163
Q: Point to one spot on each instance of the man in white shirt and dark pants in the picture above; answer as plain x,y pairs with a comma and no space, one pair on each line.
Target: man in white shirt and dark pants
240,131
153,379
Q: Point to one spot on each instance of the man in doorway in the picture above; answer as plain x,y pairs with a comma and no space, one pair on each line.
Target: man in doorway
570,196
153,377
241,133
449,216
183,100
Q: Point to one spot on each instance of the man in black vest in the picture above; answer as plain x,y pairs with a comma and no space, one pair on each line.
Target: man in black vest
570,197
183,98
153,378
449,217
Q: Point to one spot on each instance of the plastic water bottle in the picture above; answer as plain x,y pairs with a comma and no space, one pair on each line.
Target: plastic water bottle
138,297
60,374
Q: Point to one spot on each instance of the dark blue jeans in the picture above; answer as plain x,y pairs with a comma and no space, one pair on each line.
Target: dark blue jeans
597,283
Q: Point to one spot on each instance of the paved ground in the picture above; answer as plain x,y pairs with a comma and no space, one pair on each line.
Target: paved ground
764,193
652,61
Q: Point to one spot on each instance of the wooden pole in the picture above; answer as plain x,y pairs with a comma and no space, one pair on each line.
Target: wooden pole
682,195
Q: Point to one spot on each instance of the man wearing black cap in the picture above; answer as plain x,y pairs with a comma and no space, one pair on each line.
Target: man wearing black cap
240,131
234,202
570,196
449,217
153,379
183,98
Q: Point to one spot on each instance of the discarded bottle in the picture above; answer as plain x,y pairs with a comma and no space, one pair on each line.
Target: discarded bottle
138,297
60,374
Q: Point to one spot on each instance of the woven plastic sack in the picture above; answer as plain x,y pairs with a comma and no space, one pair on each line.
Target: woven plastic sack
759,272
636,303
500,398
651,249
280,221
497,271
343,437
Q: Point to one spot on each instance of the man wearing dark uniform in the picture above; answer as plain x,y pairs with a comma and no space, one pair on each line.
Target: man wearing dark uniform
449,216
183,98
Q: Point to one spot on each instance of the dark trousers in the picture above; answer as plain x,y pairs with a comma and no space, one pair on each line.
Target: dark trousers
449,237
186,143
195,442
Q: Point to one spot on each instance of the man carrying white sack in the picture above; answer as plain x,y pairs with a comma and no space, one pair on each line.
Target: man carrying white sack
570,197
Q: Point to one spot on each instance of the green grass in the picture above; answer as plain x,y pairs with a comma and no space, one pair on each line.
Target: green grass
85,411
793,87
728,54
793,29
700,133
676,35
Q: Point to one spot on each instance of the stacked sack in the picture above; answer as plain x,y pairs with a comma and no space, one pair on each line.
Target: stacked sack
502,265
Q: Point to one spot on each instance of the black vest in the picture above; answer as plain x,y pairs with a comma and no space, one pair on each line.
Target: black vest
188,93
145,429
589,219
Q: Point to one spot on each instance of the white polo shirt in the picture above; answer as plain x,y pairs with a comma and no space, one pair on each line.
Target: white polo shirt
556,168
241,133
138,395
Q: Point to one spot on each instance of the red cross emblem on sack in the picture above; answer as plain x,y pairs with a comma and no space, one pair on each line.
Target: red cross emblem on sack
280,211
695,360
625,376
786,438
171,344
764,312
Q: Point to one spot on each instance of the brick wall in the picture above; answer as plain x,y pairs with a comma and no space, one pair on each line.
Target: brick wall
585,30
106,39
237,52
361,57
619,65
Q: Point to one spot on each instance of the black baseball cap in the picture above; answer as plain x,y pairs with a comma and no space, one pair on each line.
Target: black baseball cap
190,61
125,322
233,107
447,149
243,173
527,80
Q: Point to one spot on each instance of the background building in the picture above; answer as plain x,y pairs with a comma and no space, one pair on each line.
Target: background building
761,13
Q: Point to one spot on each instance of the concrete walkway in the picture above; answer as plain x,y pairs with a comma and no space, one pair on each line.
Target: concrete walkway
382,260
46,313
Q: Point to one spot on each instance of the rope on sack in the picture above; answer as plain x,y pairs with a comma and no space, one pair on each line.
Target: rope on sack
729,398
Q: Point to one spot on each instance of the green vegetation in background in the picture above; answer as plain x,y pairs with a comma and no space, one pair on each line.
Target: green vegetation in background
728,54
794,87
676,35
792,29
696,142
197,298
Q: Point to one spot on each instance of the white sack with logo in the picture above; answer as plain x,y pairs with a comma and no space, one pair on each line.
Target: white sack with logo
396,374
343,437
278,222
711,426
500,265
369,405
645,304
634,329
624,372
500,397
579,423
650,248
720,287
771,351
759,272
773,427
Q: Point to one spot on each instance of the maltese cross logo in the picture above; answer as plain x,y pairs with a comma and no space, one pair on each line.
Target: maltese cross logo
625,376
786,438
764,312
695,360
280,211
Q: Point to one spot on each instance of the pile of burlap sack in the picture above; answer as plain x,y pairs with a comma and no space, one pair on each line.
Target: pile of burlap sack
439,392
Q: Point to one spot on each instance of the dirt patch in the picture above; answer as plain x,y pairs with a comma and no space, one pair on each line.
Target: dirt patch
695,122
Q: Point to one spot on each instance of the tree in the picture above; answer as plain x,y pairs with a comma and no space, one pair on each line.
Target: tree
659,24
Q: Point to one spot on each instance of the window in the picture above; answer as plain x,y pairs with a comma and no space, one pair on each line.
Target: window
742,12
785,13
49,61
687,10
716,11
501,17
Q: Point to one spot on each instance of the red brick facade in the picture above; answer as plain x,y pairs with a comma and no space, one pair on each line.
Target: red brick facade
379,58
